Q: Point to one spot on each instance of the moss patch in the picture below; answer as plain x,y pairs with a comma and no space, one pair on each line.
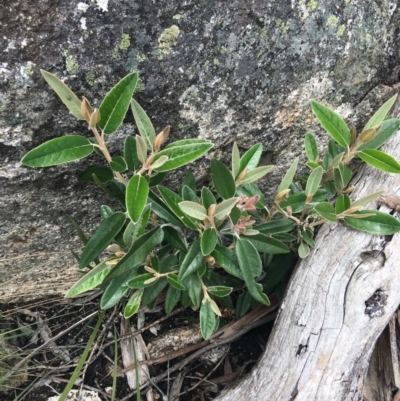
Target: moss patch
168,39
125,42
283,26
89,78
332,20
71,64
341,30
312,5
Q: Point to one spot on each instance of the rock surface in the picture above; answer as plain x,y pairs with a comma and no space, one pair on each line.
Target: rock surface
228,71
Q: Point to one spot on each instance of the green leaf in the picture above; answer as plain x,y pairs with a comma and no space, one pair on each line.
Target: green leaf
156,179
219,290
387,130
308,237
58,151
172,200
314,180
104,174
194,290
311,147
276,226
137,191
115,105
102,237
326,210
174,281
235,160
380,114
326,161
64,93
208,241
192,261
143,123
235,215
304,250
133,304
116,290
266,244
163,211
183,152
288,178
208,320
193,209
138,253
250,265
312,165
139,281
118,191
342,203
171,299
277,270
207,198
118,163
188,180
380,160
222,179
78,230
189,195
342,176
106,211
251,158
255,174
333,123
172,236
130,153
227,259
379,223
90,280
297,200
224,208
134,230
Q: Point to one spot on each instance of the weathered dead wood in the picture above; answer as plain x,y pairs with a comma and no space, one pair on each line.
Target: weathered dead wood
338,302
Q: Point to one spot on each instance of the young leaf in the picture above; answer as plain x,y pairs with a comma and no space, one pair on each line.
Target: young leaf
255,174
138,252
219,290
57,151
227,259
304,250
207,320
224,208
137,191
208,241
222,179
192,261
251,158
130,153
101,238
64,93
313,181
133,304
388,128
115,105
250,266
250,190
171,299
193,209
380,160
380,115
365,200
118,163
235,160
378,223
311,147
90,280
266,244
183,152
172,200
143,123
326,210
342,203
104,174
288,178
333,123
